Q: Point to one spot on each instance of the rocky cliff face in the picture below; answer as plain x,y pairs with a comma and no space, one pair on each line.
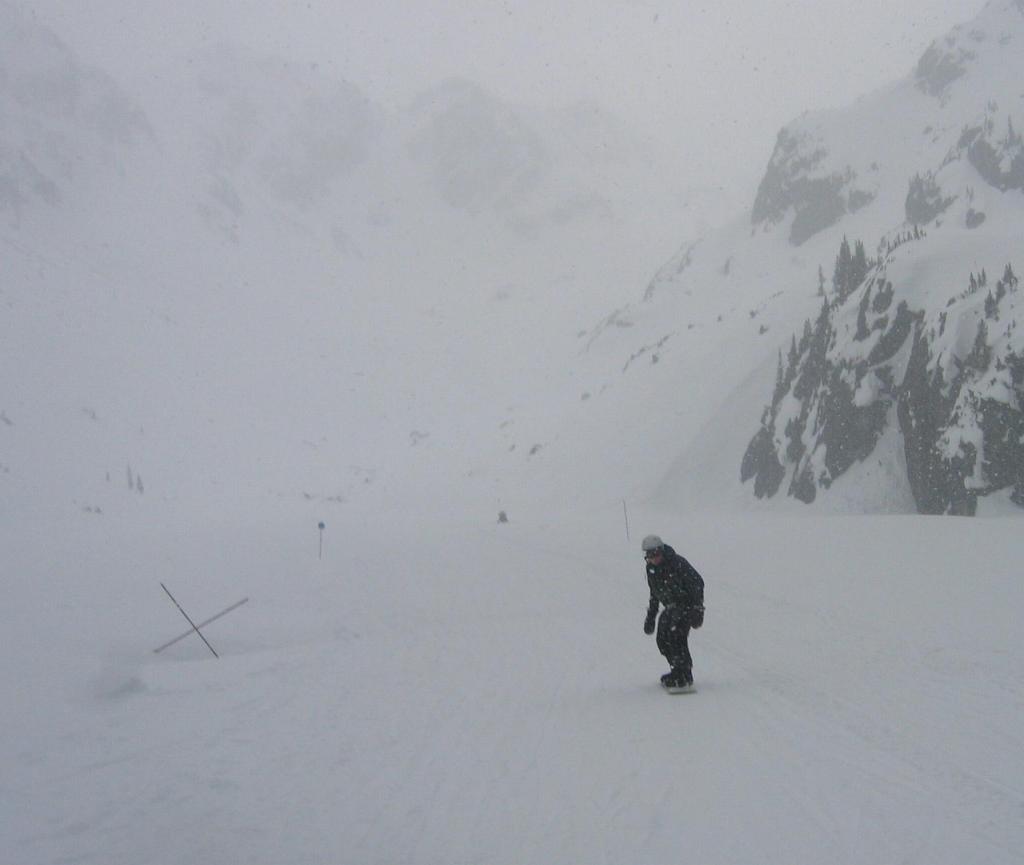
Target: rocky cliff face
961,417
915,360
957,99
948,378
801,180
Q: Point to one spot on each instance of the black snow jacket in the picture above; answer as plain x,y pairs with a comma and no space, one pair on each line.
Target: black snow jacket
675,582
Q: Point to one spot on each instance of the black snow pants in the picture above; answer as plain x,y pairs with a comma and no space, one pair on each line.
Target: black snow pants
673,631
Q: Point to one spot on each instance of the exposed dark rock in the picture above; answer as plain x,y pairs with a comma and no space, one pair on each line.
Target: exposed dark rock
849,432
893,338
989,160
883,298
974,218
940,66
773,195
859,198
961,419
922,410
998,158
668,274
1003,428
925,200
789,184
802,486
761,463
863,332
819,204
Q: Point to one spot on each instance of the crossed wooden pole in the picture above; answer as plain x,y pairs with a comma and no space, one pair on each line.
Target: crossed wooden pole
195,628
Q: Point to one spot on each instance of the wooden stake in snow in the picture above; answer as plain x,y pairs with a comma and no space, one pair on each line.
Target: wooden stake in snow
187,619
321,526
223,612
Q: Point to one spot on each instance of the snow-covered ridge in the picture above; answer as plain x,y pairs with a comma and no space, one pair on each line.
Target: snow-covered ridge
925,178
951,58
926,342
949,376
965,87
61,118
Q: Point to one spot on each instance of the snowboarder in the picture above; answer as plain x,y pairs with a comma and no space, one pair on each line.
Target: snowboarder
676,585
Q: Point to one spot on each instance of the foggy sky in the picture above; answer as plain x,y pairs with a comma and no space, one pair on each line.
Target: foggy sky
712,80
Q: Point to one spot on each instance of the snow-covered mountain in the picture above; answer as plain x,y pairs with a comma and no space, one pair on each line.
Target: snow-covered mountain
253,236
62,121
910,364
878,265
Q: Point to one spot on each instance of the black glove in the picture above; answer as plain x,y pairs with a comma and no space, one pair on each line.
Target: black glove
649,624
696,617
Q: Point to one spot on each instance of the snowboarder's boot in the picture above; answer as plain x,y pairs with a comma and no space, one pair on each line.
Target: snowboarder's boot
677,680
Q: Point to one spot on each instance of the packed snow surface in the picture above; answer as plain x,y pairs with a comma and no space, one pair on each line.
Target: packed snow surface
462,691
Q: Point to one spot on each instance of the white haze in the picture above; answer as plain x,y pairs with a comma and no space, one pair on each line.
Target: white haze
707,84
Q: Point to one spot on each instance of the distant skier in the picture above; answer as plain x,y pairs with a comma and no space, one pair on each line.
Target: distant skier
676,585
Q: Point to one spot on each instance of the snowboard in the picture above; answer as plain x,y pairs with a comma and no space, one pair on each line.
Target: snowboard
680,689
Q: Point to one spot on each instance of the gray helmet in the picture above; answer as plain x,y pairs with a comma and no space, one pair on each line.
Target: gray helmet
651,542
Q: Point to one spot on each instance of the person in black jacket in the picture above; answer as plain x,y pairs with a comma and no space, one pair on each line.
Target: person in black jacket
676,586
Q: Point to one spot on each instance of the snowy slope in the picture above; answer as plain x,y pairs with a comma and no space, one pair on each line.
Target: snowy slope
485,694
